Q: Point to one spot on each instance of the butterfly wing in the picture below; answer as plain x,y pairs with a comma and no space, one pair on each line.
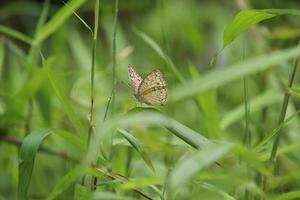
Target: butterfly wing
153,89
134,78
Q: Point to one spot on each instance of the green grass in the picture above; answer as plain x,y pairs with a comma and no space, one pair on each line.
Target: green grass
70,127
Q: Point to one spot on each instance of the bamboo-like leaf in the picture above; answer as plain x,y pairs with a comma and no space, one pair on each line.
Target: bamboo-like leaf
190,166
29,148
186,134
247,18
160,52
57,20
219,77
28,151
15,34
241,22
63,99
137,145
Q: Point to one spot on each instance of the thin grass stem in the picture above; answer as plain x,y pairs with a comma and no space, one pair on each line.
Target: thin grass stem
272,159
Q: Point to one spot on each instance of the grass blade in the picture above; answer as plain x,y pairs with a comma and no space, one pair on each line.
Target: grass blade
186,134
70,178
225,75
190,166
15,34
259,102
28,151
57,20
160,52
137,145
241,22
63,99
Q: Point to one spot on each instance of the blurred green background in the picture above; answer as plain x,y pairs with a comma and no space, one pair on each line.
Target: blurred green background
150,34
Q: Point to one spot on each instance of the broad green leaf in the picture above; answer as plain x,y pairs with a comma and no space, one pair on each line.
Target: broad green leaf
185,169
247,18
219,77
64,101
186,134
57,20
137,145
241,22
29,148
15,34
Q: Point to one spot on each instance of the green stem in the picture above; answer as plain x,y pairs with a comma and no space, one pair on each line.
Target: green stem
272,159
92,103
91,114
247,135
283,111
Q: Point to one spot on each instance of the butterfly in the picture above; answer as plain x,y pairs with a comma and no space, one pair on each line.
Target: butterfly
152,89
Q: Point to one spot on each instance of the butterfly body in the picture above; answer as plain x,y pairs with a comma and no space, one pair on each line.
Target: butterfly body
152,89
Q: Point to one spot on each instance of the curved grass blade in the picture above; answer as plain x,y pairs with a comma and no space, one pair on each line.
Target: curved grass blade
186,134
15,34
247,18
63,99
57,20
193,164
225,75
241,22
160,52
137,145
217,190
28,151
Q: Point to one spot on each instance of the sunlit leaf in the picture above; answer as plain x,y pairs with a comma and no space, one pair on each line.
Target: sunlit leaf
241,22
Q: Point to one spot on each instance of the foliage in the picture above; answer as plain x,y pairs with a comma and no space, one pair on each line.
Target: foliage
71,129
